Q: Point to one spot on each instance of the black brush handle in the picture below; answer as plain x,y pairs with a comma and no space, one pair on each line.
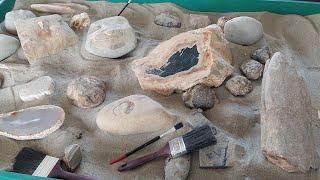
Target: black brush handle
164,152
123,9
143,146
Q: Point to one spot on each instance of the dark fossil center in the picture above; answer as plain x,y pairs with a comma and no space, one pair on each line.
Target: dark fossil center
182,60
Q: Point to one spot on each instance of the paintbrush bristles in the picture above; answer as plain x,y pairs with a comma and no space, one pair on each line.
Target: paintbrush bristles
199,138
27,161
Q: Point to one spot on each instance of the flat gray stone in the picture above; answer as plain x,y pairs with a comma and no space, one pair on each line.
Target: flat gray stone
12,16
8,45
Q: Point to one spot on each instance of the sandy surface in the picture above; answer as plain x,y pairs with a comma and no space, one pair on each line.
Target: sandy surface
293,35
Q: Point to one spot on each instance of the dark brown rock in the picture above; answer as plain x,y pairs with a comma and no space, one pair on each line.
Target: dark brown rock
199,96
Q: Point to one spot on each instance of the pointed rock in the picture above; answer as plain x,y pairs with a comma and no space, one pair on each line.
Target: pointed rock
286,116
134,114
31,123
196,57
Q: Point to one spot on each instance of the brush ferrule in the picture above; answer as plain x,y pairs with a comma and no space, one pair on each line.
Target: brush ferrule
177,147
45,167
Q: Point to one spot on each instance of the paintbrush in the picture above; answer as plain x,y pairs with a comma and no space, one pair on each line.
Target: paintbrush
35,163
124,7
194,140
123,156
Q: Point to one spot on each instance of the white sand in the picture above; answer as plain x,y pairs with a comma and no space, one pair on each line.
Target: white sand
294,35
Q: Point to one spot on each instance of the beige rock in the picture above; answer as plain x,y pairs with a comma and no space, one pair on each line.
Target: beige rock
44,36
199,21
87,91
36,89
80,21
286,116
31,123
59,8
188,59
239,85
12,16
222,21
178,168
134,114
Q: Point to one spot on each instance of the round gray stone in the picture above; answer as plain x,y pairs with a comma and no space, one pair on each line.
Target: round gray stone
243,30
199,96
8,45
87,91
252,69
12,16
239,85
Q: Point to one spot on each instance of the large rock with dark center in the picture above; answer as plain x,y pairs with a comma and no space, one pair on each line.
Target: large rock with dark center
196,57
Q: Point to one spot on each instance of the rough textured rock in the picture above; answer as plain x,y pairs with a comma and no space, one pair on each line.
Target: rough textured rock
9,148
31,123
252,69
233,117
261,55
59,8
196,57
36,89
222,21
111,37
80,21
168,19
286,116
12,16
8,45
178,168
72,157
243,30
87,91
239,85
199,96
199,21
1,80
134,114
44,36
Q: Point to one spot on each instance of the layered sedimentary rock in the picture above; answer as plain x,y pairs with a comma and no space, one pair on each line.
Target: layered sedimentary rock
286,116
134,114
196,57
44,36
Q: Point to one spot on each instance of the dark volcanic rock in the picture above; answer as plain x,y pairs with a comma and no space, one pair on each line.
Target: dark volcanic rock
180,61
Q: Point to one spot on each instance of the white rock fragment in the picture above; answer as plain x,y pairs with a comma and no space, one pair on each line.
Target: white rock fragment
12,16
243,30
8,45
36,89
111,37
80,21
31,123
177,168
199,21
72,157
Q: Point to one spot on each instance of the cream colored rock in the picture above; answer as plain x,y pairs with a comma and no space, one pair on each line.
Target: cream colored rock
196,57
199,21
59,8
286,116
12,16
134,114
222,21
36,89
31,123
44,36
80,21
8,45
111,37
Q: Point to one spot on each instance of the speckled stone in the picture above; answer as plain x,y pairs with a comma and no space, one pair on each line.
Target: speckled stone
72,157
261,55
252,69
199,96
168,19
239,85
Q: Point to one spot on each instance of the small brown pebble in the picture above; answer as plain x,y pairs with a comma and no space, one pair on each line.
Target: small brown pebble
222,21
239,85
199,96
72,157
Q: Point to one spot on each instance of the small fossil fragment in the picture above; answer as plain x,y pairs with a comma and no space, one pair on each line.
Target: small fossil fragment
80,21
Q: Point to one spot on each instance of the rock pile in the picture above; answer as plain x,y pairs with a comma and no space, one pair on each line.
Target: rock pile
134,114
196,57
110,37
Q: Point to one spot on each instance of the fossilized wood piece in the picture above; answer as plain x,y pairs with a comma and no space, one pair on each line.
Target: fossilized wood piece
59,8
286,115
188,59
44,36
31,123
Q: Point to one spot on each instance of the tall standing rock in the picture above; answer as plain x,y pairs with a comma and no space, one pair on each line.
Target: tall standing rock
286,115
196,57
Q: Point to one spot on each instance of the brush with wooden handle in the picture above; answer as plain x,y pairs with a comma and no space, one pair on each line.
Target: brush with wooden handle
35,163
155,139
192,141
